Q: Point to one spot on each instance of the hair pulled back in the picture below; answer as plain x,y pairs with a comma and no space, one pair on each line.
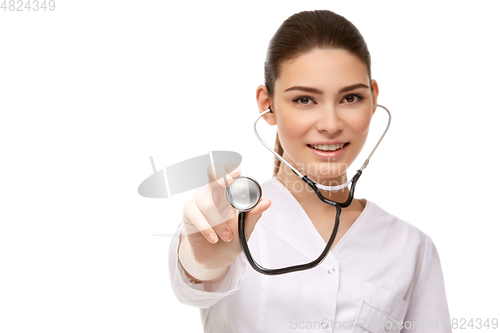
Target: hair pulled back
304,32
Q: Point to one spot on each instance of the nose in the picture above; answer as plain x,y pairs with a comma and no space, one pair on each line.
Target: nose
329,121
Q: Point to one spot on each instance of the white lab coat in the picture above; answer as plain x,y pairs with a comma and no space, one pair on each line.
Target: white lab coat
384,275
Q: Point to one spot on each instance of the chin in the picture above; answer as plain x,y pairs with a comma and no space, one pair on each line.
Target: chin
325,171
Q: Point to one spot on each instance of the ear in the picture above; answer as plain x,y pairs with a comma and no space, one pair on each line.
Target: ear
264,102
374,94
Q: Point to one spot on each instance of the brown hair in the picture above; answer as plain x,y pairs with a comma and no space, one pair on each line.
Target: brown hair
303,32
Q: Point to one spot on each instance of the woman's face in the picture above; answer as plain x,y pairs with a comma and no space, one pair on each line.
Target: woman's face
322,106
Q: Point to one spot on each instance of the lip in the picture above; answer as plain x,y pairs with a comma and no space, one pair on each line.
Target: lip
328,155
327,142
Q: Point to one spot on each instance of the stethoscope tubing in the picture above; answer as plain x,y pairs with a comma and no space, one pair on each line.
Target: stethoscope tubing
279,271
322,256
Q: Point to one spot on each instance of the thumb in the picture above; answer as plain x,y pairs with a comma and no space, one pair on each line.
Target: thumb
253,216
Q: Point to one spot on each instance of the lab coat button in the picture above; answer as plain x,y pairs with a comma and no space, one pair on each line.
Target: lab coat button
324,324
388,326
331,270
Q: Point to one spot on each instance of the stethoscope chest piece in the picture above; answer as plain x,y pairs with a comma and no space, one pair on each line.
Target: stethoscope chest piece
244,193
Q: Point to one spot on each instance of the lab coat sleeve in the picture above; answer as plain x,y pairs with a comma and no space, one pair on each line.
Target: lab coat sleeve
202,295
428,307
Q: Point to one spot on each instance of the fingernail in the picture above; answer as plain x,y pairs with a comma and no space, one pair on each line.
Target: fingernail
226,235
213,237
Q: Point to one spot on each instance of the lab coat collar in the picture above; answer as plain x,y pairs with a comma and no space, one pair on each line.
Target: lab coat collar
287,219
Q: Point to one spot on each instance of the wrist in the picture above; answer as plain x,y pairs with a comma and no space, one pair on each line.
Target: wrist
193,268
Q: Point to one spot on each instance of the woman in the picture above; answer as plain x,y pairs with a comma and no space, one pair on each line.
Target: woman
382,274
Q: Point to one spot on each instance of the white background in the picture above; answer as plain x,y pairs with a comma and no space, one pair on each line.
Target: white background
89,91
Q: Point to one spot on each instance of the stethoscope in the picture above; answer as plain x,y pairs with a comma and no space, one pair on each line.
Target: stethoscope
244,194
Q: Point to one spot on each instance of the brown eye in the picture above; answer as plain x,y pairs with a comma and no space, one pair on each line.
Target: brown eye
304,100
352,98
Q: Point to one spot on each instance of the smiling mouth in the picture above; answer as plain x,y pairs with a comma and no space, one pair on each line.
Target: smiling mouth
329,147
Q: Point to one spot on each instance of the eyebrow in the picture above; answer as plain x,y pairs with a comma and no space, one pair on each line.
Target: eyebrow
306,89
319,92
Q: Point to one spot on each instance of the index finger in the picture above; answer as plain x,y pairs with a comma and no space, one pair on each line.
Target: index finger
226,162
222,175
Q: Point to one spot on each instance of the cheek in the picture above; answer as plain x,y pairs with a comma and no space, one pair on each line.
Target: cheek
291,129
358,127
361,124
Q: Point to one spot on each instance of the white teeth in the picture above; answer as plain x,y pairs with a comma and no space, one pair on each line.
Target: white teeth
328,147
